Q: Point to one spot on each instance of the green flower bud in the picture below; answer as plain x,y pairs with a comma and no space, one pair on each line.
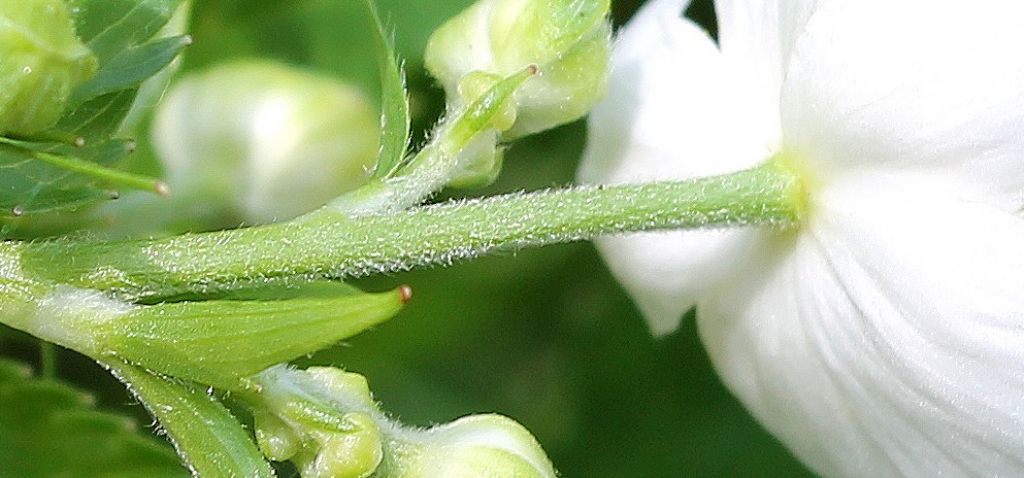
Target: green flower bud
475,446
330,415
570,41
345,434
41,62
355,452
275,438
480,162
263,141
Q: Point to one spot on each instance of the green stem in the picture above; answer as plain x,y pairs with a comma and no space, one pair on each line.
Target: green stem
48,360
339,246
432,168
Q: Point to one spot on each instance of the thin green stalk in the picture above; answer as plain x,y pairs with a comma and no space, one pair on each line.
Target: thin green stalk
48,360
432,167
339,246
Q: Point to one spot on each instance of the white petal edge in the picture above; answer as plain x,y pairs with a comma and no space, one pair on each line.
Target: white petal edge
673,112
757,38
887,338
926,86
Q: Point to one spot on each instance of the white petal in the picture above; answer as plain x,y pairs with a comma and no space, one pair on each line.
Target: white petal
887,338
925,86
673,112
757,38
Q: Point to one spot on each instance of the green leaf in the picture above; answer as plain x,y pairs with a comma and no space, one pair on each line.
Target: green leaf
208,438
29,184
99,117
224,342
43,177
394,135
49,429
131,67
109,27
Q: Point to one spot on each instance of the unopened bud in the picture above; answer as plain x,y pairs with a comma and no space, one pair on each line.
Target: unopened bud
569,40
344,433
264,141
42,61
474,446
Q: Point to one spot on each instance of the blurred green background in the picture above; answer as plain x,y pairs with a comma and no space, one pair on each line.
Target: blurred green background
544,336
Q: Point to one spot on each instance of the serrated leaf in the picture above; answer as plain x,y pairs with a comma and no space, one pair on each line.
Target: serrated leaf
118,33
98,117
394,135
131,67
206,435
50,429
109,27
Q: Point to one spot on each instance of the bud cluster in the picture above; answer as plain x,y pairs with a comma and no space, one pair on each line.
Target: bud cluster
326,422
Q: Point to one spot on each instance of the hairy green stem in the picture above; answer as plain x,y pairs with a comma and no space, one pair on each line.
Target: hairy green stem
342,246
432,168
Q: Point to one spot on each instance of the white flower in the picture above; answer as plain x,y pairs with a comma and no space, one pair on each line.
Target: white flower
884,337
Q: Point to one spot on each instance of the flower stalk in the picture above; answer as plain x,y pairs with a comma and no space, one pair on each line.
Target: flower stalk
341,246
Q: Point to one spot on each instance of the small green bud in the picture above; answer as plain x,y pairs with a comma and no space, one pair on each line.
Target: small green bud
354,453
480,162
275,438
343,431
570,41
264,141
331,413
41,62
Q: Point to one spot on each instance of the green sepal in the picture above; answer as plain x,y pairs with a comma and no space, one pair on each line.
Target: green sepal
441,160
322,419
208,438
223,342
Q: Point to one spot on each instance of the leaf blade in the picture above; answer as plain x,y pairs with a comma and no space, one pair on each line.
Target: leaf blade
131,67
52,429
395,120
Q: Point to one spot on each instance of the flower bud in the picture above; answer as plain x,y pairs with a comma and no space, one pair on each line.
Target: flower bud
344,434
475,446
41,62
568,39
322,419
264,141
355,452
